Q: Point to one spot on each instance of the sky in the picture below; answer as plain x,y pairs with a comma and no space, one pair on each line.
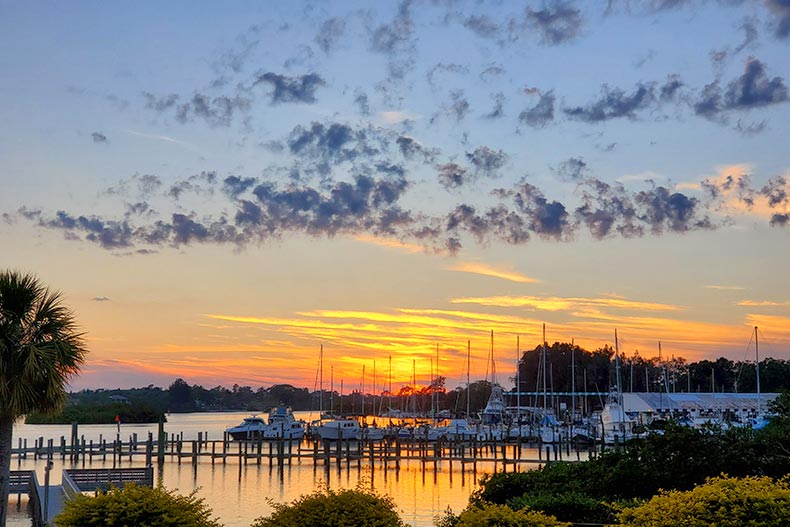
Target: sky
219,190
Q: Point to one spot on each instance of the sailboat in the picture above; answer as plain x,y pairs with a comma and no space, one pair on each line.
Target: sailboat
550,430
616,426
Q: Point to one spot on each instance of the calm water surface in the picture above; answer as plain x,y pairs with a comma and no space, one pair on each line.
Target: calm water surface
238,495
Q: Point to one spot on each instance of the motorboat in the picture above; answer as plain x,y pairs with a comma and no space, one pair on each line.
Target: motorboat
250,428
339,429
283,425
453,430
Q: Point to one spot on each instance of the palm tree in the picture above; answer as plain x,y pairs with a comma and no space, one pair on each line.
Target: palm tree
40,349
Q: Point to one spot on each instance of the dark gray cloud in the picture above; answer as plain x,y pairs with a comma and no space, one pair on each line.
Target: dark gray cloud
300,88
160,104
491,71
670,89
614,103
215,111
482,26
572,169
411,148
780,220
547,219
777,191
100,299
395,39
750,33
557,23
499,106
541,113
662,209
486,161
233,186
443,69
330,32
200,183
753,89
362,102
452,175
780,12
99,137
139,208
331,143
108,234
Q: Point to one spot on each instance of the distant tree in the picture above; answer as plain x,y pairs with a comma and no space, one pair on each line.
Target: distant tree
40,350
136,505
180,396
723,502
329,508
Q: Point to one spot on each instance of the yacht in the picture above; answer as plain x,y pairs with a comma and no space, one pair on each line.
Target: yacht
250,428
283,425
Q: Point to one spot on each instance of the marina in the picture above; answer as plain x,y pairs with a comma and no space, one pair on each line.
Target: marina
236,478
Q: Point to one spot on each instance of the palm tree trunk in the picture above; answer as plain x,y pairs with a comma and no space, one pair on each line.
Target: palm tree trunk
6,433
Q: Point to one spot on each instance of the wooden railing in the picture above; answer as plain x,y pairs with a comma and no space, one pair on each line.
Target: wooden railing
87,480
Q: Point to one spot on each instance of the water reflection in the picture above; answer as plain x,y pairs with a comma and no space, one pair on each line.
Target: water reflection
239,492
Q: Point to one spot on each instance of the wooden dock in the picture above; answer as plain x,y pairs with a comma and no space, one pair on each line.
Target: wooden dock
387,453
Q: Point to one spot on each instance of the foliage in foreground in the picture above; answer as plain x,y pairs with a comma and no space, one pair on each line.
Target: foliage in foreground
329,508
492,515
570,506
136,505
723,502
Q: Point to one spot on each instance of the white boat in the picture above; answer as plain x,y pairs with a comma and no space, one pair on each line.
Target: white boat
283,425
250,428
453,430
339,429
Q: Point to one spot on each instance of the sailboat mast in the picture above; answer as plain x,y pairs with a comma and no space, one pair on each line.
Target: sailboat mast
757,364
468,386
573,380
543,362
518,380
617,370
321,380
332,390
362,391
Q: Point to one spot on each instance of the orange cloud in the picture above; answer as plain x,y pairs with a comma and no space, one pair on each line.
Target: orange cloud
762,303
563,304
390,243
487,270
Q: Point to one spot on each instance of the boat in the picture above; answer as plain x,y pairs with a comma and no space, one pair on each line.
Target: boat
338,429
283,425
616,426
453,430
250,428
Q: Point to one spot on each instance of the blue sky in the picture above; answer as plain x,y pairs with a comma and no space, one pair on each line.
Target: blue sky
220,188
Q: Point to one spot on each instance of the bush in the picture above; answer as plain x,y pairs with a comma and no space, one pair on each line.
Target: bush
328,508
567,506
723,502
492,515
138,506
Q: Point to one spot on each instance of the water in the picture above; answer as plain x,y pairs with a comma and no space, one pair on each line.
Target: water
239,494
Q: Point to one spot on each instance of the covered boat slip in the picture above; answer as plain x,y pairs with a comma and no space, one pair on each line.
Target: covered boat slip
739,405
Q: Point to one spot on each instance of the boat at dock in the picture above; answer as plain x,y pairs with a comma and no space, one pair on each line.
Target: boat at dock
281,425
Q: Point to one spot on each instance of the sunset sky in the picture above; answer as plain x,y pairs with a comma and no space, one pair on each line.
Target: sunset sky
218,189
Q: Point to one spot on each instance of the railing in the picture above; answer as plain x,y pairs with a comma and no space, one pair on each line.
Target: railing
86,480
19,481
70,489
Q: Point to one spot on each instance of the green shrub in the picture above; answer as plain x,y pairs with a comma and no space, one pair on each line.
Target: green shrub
720,502
137,506
329,508
492,515
567,506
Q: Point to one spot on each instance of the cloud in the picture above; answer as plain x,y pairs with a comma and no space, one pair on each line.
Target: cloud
215,111
557,23
452,175
300,88
100,299
482,26
762,303
499,106
330,32
572,169
725,287
753,89
780,11
488,270
457,107
486,161
99,137
395,40
614,103
442,69
541,114
563,303
166,139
